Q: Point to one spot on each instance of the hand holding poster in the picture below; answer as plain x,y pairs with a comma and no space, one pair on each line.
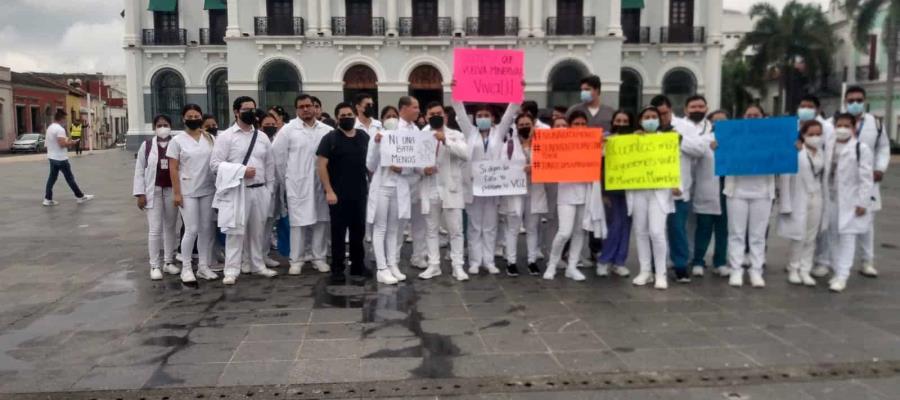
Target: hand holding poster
407,149
765,146
499,178
651,161
566,155
488,76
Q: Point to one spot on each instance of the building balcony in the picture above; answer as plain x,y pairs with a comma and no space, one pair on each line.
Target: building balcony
417,27
164,37
585,26
637,34
278,26
688,34
866,73
480,26
214,38
352,26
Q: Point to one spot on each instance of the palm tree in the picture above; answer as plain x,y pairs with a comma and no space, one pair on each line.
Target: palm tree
866,15
800,34
736,80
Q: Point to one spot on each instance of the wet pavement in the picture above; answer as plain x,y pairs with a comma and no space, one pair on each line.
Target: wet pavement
78,312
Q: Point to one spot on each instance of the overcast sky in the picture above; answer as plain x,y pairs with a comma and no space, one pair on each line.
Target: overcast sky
86,35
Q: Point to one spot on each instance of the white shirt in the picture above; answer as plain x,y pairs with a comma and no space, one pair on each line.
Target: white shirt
231,146
54,150
193,164
373,128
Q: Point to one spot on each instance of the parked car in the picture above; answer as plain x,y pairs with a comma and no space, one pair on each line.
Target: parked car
31,142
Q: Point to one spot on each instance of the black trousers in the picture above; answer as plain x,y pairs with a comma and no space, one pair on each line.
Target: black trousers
348,215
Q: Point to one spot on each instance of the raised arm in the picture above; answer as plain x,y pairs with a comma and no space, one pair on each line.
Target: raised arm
462,118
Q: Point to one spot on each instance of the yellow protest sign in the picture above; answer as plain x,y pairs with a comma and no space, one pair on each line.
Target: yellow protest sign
642,161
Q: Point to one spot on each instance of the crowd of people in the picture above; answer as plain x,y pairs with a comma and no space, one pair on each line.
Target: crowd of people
321,178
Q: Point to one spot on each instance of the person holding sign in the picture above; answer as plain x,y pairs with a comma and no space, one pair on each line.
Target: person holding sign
649,210
614,250
441,191
712,225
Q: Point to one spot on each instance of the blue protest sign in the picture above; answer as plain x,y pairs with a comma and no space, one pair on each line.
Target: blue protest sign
764,146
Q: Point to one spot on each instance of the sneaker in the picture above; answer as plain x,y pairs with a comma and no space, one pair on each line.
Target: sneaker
156,274
171,269
492,269
736,278
622,271
49,203
661,282
574,274
756,279
681,276
229,280
807,279
868,270
723,271
642,279
698,270
512,270
431,272
533,269
602,270
473,270
245,269
820,271
386,277
395,271
321,266
217,268
207,274
295,268
266,272
460,274
550,273
418,262
187,275
838,285
84,199
794,276
272,263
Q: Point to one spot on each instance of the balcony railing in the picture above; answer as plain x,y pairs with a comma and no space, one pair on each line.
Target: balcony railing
481,26
637,34
164,37
414,27
865,73
688,34
571,26
213,38
279,26
350,26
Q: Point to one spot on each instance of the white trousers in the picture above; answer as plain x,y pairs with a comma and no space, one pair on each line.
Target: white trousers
841,246
312,235
823,248
249,247
570,217
161,220
418,227
386,228
649,224
481,230
199,227
452,219
802,251
532,235
748,217
866,243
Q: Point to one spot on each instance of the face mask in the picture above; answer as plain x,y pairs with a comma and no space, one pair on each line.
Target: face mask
806,114
163,133
212,131
650,125
620,129
483,123
843,133
697,117
347,124
270,131
525,132
391,124
856,108
586,96
436,122
813,141
248,117
369,112
193,124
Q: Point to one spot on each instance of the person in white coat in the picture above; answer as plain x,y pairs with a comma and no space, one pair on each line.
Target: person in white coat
246,248
712,227
485,140
295,164
153,190
749,204
441,193
801,203
850,201
194,185
649,210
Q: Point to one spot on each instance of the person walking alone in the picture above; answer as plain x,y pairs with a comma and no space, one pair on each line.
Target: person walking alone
57,143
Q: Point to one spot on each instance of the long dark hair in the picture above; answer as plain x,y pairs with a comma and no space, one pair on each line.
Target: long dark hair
194,107
631,124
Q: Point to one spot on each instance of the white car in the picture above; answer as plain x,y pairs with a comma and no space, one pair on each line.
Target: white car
30,142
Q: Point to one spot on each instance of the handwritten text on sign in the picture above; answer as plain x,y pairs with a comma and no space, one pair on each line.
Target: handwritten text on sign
566,155
637,161
407,149
488,76
499,178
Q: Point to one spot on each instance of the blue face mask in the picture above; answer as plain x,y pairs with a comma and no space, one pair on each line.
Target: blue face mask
806,114
586,96
856,108
483,124
650,125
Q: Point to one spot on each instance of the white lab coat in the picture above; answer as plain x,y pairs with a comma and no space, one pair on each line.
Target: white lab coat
383,176
295,164
229,198
476,143
447,183
145,172
793,197
595,212
880,148
695,150
536,196
853,186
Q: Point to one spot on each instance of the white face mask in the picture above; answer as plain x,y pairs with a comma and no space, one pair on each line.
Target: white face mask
814,142
163,132
843,133
391,124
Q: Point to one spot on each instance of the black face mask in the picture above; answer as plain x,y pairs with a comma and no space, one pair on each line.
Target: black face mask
525,133
347,124
248,117
620,129
212,131
193,124
696,116
270,131
436,122
369,112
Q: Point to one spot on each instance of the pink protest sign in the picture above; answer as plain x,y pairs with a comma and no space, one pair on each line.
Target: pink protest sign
488,76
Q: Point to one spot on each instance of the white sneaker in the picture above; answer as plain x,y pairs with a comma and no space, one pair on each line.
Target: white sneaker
473,270
492,269
460,274
869,270
229,280
187,275
574,274
736,278
321,266
171,269
698,270
49,203
794,276
84,199
806,279
642,279
295,269
756,279
603,270
207,274
723,271
156,274
386,277
662,282
271,263
268,273
838,285
820,271
550,273
418,262
395,271
622,271
431,272
245,268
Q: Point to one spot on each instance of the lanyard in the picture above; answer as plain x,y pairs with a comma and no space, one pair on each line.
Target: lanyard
812,166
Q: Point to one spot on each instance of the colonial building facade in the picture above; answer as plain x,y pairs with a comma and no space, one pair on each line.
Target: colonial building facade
213,51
